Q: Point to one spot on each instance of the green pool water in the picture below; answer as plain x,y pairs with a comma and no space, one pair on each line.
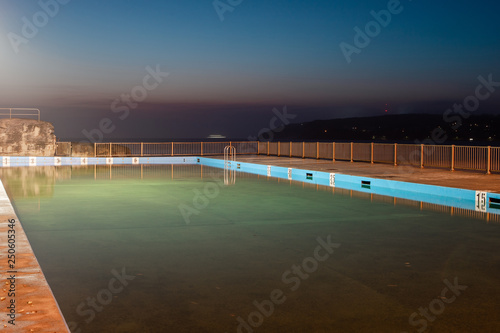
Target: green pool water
172,249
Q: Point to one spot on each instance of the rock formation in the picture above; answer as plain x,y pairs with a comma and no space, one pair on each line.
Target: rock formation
26,137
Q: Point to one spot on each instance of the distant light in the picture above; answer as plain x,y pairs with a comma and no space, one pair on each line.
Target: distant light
216,136
471,139
326,131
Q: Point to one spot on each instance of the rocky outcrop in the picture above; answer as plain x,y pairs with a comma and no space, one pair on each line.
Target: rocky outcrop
26,137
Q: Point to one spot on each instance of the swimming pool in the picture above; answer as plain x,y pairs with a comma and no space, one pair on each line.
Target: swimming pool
156,248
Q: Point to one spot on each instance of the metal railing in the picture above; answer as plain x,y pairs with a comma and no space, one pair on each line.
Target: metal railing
150,149
480,158
450,157
14,112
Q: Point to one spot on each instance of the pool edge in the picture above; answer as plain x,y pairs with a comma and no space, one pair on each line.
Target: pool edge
25,286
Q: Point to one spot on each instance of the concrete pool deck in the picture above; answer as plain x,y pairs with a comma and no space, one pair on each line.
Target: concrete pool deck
476,181
34,308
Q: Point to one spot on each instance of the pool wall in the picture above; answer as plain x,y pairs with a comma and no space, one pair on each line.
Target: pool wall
13,161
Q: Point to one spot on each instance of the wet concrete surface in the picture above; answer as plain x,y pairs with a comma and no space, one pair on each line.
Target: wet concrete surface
27,303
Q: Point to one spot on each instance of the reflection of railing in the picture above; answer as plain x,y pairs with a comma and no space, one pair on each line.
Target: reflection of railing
15,112
423,206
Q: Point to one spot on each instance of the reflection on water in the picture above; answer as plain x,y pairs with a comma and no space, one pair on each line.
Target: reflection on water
38,182
452,211
33,182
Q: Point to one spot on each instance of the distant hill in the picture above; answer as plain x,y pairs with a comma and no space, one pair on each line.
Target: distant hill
396,128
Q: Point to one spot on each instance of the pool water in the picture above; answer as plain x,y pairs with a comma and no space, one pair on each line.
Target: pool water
172,249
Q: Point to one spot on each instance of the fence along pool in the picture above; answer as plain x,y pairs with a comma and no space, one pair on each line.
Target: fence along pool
474,158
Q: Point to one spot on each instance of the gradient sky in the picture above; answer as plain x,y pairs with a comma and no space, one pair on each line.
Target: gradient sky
226,76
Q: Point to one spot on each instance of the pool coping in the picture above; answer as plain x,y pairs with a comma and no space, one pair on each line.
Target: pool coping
25,288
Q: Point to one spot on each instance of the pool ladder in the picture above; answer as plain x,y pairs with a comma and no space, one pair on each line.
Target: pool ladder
229,159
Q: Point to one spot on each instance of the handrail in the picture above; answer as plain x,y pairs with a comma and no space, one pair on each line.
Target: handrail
451,157
21,114
229,173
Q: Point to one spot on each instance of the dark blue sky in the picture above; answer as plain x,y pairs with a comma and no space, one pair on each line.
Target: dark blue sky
229,69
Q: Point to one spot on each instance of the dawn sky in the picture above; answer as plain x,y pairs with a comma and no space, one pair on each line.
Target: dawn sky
230,62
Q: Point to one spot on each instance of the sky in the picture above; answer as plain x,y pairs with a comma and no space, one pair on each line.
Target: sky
186,69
